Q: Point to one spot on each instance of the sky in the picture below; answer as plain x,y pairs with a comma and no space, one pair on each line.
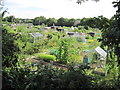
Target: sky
59,8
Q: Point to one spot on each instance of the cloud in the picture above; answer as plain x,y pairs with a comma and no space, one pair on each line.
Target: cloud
59,8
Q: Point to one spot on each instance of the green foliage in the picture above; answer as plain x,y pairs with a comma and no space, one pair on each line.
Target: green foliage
39,20
87,37
37,27
54,52
46,57
111,39
49,36
29,48
9,48
51,21
76,30
63,50
22,76
65,22
9,19
95,22
79,39
71,22
75,79
62,21
15,78
21,28
19,76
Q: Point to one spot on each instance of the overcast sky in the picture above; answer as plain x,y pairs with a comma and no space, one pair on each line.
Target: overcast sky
59,8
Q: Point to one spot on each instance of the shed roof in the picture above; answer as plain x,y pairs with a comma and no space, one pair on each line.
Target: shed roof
36,34
101,51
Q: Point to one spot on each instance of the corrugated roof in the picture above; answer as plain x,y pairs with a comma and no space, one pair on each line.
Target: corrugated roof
36,34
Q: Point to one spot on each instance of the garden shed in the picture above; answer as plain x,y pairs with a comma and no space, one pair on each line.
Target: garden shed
53,27
97,55
102,56
47,28
59,28
36,36
70,33
87,57
91,34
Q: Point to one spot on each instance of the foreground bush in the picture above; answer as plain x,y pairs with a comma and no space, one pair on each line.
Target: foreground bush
48,78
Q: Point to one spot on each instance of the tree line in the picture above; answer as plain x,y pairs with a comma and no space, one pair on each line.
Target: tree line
94,22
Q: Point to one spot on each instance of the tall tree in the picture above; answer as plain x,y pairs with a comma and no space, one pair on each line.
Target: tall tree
96,22
9,19
111,37
71,22
50,21
62,21
39,20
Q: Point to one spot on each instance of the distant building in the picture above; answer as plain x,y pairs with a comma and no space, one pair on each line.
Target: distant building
75,34
30,25
91,34
53,27
47,28
70,33
59,28
77,22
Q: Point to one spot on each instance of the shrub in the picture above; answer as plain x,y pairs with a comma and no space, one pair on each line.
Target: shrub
54,52
75,80
86,27
87,37
9,48
47,57
79,39
37,27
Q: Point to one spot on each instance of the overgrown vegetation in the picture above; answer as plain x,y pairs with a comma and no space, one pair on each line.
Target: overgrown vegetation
21,74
